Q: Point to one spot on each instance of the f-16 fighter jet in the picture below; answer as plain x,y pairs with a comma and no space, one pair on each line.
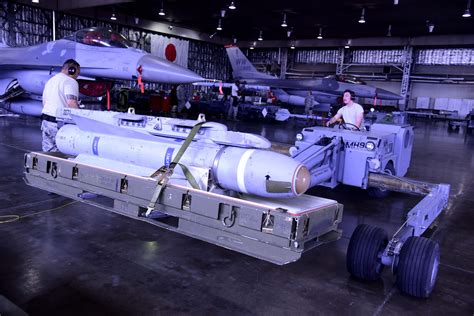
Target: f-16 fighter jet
293,91
104,56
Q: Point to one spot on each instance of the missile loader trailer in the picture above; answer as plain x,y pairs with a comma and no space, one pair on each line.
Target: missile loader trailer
275,230
267,217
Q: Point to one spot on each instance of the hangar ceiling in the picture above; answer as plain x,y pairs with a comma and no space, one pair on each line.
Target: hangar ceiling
337,18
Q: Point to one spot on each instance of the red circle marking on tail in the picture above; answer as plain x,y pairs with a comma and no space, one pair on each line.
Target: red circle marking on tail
170,52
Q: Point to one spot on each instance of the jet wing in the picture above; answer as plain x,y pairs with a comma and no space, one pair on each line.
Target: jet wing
327,86
287,83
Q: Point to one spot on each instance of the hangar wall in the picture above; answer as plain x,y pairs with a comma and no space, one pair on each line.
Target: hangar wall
434,90
437,73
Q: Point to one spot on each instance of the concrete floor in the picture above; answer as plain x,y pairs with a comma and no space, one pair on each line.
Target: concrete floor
80,260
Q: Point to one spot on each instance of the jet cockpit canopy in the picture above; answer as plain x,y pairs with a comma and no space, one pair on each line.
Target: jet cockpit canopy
96,36
346,79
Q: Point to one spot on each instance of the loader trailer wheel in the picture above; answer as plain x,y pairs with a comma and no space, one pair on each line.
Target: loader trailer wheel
418,267
364,252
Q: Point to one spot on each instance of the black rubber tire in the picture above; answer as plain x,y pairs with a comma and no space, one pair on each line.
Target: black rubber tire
417,267
363,254
380,193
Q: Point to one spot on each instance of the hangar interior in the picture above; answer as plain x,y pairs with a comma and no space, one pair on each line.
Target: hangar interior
60,256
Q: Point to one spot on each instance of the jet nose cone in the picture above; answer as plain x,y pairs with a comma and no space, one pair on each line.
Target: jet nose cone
155,69
387,95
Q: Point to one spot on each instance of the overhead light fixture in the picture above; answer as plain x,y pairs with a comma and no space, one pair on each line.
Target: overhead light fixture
260,37
320,35
467,13
430,26
35,1
162,10
348,44
389,31
251,47
362,16
219,25
232,5
292,46
113,17
222,13
395,2
283,23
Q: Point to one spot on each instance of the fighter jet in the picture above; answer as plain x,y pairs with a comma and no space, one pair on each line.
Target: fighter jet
103,55
293,91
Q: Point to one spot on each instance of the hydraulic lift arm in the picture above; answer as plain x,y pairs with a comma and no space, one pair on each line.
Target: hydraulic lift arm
420,217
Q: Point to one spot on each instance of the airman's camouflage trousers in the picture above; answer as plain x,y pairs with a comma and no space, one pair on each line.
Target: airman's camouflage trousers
49,131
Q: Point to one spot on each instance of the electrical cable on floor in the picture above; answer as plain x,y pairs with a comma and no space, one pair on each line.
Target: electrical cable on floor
4,219
14,147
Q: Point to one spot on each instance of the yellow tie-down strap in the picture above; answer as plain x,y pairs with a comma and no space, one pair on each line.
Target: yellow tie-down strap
163,174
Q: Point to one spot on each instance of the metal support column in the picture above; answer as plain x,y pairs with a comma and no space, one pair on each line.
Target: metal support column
11,24
284,62
407,63
53,25
340,62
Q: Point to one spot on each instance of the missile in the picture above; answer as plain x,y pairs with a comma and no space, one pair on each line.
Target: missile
241,169
23,106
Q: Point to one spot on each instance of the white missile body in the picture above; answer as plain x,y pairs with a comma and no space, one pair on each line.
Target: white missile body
149,127
246,169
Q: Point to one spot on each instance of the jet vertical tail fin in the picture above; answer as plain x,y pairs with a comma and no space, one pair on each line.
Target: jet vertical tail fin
242,68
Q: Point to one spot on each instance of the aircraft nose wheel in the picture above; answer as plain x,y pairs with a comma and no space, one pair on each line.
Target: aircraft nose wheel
365,250
417,268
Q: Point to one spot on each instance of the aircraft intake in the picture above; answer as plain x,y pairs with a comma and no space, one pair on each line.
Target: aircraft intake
9,88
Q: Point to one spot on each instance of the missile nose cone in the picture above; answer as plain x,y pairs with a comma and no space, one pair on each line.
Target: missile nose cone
159,70
302,180
387,95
